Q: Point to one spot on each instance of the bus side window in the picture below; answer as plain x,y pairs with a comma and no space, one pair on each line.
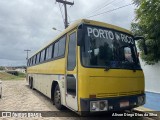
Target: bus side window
49,52
32,61
52,54
71,60
37,60
61,47
71,85
56,49
42,55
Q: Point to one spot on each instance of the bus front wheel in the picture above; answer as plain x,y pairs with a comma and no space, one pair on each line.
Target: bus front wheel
57,98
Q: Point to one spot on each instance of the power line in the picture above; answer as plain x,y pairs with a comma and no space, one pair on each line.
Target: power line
61,12
116,3
98,9
91,11
65,3
69,20
110,6
110,10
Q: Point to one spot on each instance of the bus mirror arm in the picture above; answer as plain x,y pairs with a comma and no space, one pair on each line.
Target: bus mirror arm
144,43
138,38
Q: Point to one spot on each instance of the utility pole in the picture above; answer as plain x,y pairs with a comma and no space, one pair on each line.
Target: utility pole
27,53
65,3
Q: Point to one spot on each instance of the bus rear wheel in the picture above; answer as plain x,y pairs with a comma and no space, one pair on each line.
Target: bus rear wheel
57,98
30,84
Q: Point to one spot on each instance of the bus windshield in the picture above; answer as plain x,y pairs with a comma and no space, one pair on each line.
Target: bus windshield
103,47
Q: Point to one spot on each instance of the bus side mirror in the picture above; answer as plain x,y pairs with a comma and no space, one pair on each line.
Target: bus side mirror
145,48
144,43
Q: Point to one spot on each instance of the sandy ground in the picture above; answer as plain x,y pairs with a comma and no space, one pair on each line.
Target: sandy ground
17,96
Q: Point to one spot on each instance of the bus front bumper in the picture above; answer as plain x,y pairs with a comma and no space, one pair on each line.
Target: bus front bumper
112,104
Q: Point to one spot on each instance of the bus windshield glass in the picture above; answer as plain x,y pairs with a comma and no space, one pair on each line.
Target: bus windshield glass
103,47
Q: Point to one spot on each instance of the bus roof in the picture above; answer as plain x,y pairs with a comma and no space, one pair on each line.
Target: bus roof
85,21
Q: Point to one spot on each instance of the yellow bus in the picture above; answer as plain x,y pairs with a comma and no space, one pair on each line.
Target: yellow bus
90,67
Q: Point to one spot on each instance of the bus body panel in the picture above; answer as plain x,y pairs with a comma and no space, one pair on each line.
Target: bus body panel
99,85
51,67
44,74
110,82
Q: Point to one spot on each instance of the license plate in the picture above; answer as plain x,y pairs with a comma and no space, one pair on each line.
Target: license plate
124,104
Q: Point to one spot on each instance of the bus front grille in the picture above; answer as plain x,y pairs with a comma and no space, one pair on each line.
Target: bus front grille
103,95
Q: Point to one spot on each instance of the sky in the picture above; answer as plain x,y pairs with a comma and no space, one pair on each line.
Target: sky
27,24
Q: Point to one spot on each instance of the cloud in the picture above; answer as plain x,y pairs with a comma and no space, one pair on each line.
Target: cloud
27,24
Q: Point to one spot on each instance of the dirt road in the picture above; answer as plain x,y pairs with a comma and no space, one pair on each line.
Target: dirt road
17,96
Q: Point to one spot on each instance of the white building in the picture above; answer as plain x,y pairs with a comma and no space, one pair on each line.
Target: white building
22,70
152,77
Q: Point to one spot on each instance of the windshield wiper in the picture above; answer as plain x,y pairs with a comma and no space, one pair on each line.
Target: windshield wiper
107,68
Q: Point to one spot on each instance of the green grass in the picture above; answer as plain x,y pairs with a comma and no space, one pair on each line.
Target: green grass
7,76
21,75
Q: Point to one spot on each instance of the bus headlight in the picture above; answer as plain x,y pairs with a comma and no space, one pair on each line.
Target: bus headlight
99,105
141,100
94,106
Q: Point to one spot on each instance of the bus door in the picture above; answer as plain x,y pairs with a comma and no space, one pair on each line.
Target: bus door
71,72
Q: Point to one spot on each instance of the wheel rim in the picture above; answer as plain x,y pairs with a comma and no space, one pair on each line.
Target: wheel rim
57,97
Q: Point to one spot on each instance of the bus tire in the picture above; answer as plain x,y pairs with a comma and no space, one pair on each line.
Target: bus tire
31,84
57,98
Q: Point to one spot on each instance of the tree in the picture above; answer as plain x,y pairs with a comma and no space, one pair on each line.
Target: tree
148,25
1,68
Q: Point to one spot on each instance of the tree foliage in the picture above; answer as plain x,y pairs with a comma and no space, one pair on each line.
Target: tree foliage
1,68
148,25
